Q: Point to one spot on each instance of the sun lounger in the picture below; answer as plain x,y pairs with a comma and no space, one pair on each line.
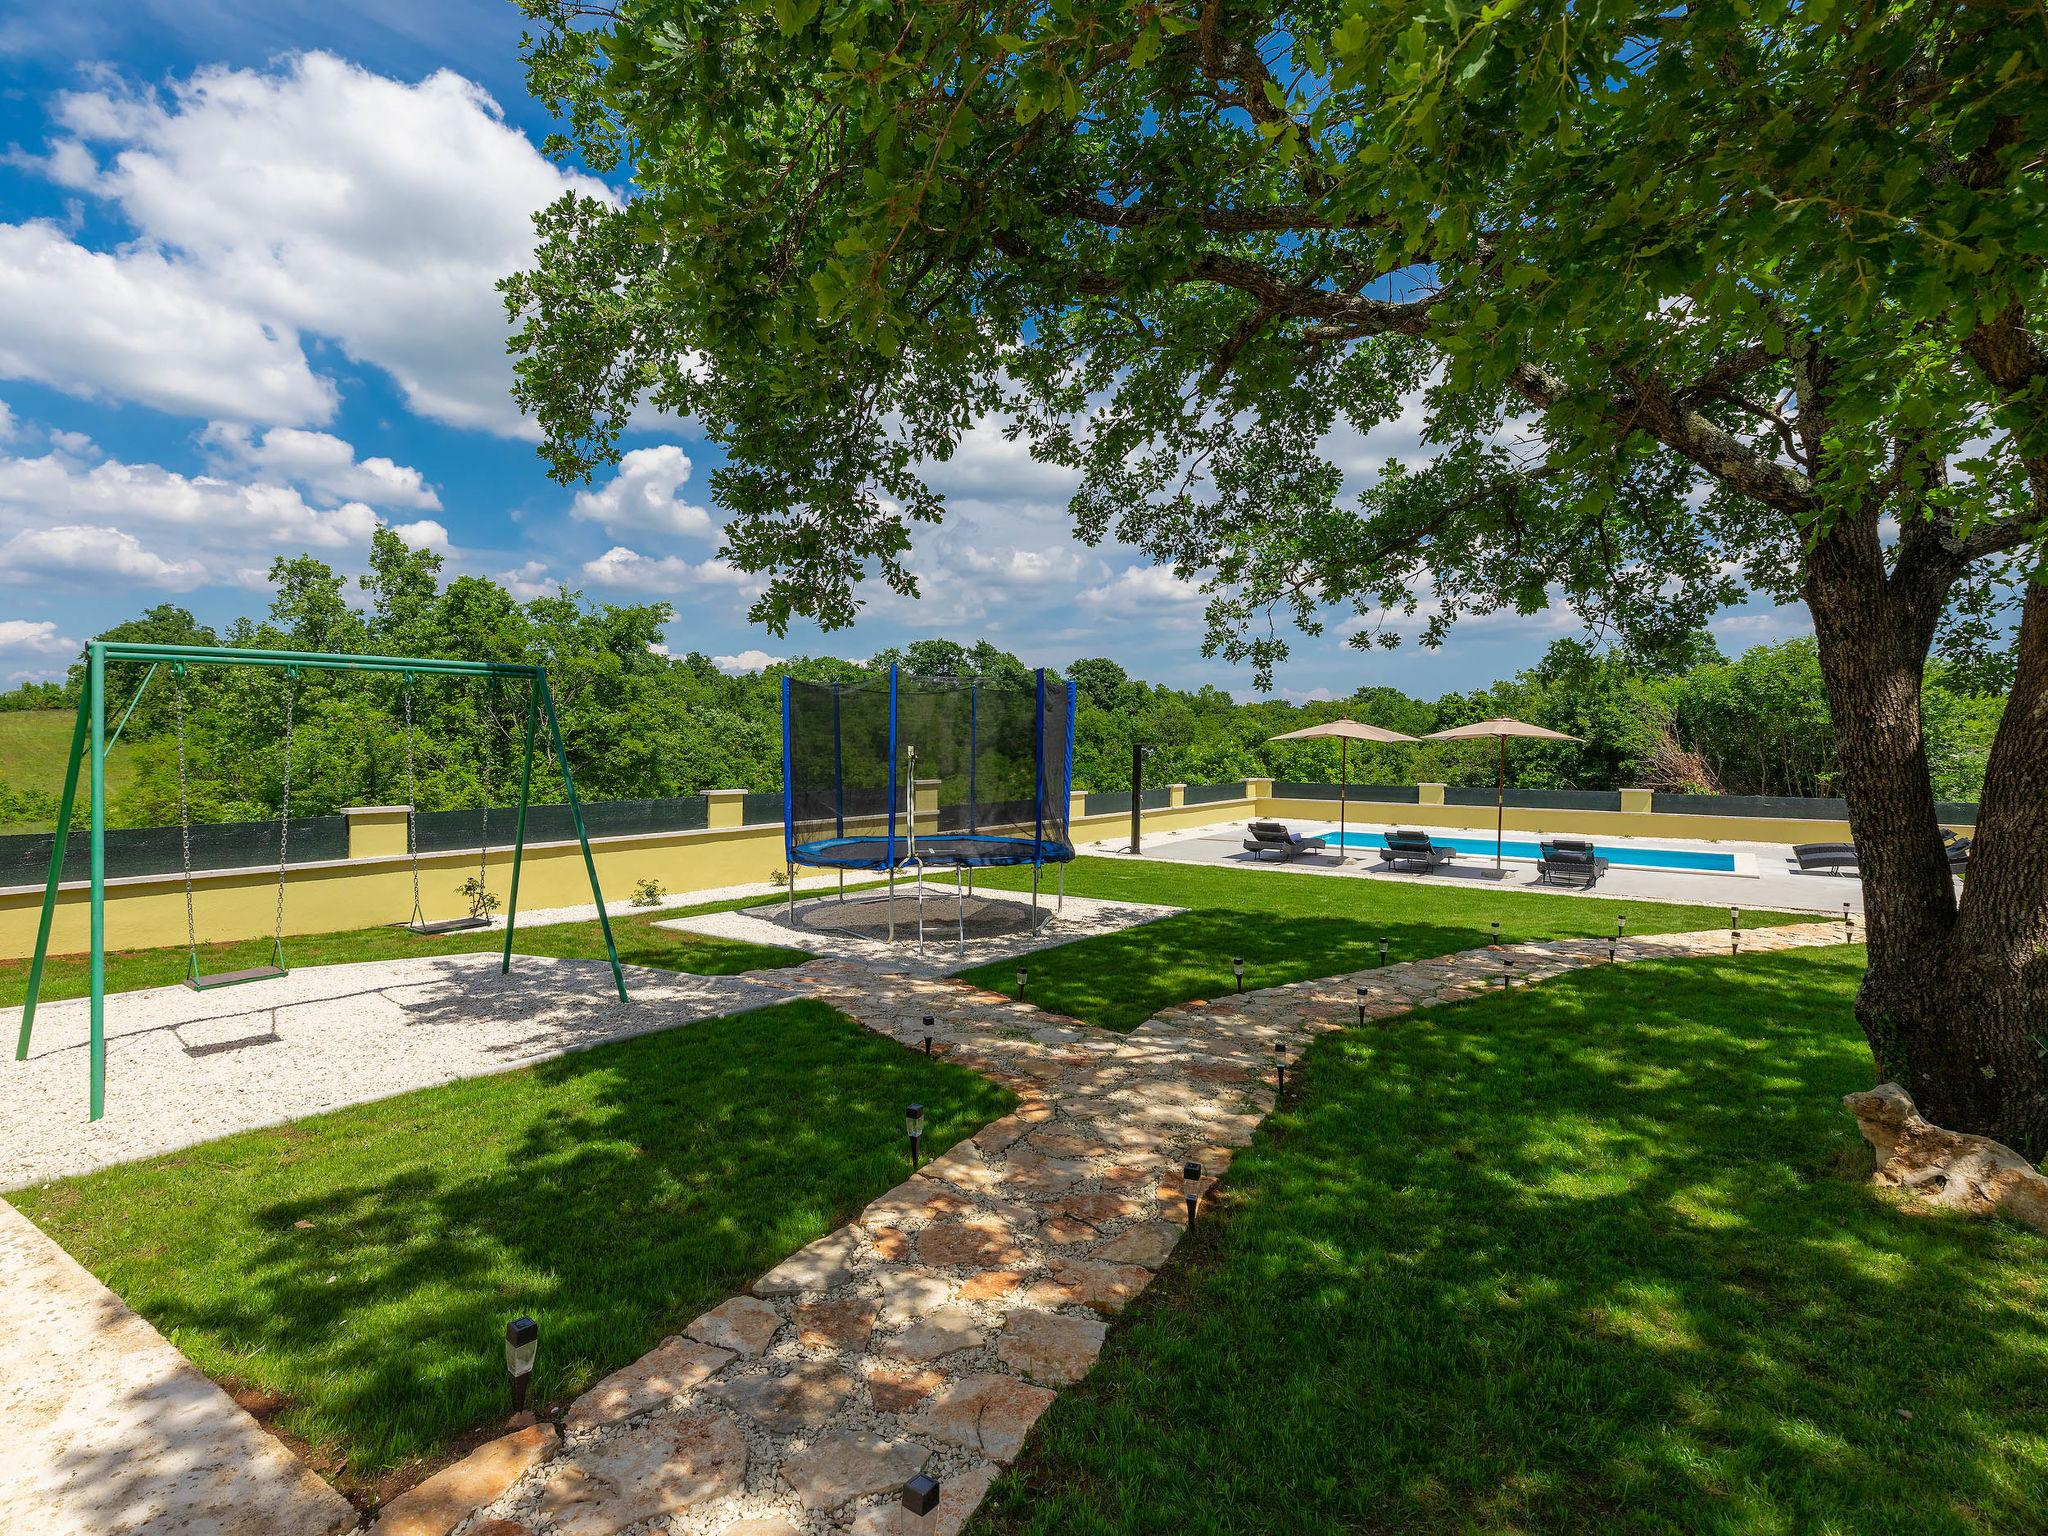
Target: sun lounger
1272,837
1824,858
1412,849
1569,861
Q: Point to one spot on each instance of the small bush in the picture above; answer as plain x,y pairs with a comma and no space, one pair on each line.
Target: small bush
648,893
483,901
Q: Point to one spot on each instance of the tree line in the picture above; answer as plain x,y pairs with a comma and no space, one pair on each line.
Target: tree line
642,723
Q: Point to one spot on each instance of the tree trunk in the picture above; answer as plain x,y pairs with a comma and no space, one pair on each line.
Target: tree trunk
1952,1002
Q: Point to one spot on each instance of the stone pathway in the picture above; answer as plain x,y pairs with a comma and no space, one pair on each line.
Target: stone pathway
112,1432
930,1334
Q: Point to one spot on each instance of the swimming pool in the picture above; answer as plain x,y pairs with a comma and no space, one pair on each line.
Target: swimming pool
1622,856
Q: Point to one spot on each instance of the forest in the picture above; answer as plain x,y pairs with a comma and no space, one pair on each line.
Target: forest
642,722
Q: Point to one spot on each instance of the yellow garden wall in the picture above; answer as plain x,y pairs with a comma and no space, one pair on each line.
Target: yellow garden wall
1480,818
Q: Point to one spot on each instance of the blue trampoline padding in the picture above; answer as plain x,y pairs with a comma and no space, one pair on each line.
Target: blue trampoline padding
964,849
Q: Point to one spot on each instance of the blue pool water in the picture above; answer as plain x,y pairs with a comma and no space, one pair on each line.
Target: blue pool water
1630,857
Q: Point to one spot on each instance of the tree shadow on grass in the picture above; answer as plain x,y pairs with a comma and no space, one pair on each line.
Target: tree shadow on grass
1597,1256
362,1264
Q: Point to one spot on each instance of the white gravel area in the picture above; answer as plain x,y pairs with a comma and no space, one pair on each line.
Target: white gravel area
185,1066
1079,918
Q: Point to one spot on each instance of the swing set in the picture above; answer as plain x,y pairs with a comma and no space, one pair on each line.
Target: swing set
90,743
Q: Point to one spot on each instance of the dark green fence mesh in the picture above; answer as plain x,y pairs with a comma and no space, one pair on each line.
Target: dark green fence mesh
25,857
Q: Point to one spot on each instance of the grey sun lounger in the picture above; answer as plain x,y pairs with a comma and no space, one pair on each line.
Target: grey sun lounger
1414,850
1272,837
1824,858
1569,861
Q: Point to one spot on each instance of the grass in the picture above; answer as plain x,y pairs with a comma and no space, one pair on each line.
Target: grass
1288,927
1595,1256
639,941
360,1266
34,744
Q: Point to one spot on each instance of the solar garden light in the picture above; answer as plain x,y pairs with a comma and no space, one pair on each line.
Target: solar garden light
1734,941
1507,971
522,1342
1734,918
1621,927
1496,930
1383,951
921,1499
1237,970
913,1127
1848,922
1610,951
1191,1187
1361,1005
1023,974
930,1024
1280,1061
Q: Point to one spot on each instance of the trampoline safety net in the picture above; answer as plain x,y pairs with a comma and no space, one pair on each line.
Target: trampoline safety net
993,767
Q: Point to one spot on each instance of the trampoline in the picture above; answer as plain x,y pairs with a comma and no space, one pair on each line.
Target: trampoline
928,774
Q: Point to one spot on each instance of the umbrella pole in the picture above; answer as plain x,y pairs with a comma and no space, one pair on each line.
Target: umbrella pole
1343,792
1500,800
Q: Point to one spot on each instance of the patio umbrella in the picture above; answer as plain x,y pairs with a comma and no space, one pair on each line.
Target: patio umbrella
1501,730
1345,732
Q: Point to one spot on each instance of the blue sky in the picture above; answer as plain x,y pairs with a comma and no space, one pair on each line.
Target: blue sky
246,309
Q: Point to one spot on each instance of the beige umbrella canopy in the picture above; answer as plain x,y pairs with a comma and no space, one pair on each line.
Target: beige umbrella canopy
1500,730
1345,732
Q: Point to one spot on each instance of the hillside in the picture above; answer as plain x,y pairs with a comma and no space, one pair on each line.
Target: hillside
32,747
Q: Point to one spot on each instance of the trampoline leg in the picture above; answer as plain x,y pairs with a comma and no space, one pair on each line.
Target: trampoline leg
789,879
892,903
1035,872
960,901
920,908
842,885
1062,903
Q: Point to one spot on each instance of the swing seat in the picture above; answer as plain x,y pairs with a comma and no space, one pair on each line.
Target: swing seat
448,925
199,983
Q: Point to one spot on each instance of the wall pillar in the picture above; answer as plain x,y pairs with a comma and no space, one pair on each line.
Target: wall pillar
1636,801
1429,794
1258,789
1176,794
724,807
1077,805
376,831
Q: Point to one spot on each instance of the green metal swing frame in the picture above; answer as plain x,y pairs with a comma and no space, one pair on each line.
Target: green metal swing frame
90,743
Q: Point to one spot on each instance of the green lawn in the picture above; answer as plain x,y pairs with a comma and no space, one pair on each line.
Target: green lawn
1595,1256
639,942
362,1265
33,746
1290,927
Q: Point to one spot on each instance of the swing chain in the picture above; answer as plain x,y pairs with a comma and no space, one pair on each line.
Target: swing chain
284,821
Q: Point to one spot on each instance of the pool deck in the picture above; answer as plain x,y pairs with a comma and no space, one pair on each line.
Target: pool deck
1765,877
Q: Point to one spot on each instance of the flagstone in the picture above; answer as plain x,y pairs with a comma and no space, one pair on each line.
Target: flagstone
946,1331
820,1266
1053,1348
806,1397
842,1324
742,1325
661,1468
829,1472
657,1377
897,1390
987,1413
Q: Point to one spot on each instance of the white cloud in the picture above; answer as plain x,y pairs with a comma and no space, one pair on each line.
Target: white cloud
1140,590
321,198
643,497
88,554
529,581
33,637
7,423
322,463
626,570
425,534
754,660
135,325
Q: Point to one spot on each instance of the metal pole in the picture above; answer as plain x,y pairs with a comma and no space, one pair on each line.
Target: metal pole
1343,792
324,661
604,921
1500,800
56,880
96,672
1137,793
519,826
